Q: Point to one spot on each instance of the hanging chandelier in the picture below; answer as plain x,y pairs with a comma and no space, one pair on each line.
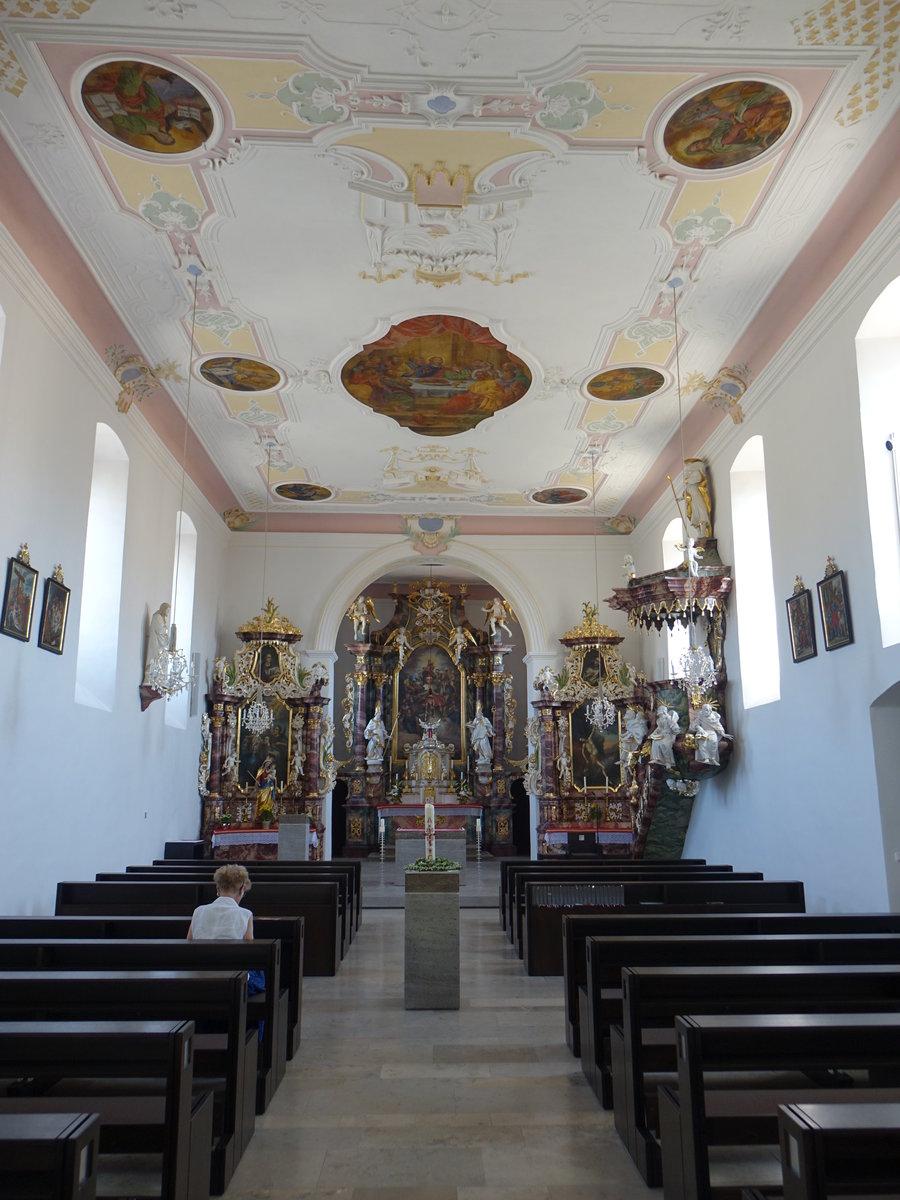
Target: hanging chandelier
169,673
696,669
600,711
257,716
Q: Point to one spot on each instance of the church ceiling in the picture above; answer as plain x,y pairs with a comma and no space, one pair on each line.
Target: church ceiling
433,243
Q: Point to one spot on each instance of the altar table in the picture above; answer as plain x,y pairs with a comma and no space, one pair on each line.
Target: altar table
252,844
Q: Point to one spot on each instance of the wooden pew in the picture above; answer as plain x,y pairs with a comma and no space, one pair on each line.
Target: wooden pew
105,1068
316,902
224,1059
834,1147
545,904
652,997
607,957
49,1156
510,870
352,867
285,876
270,1007
287,930
755,1051
578,927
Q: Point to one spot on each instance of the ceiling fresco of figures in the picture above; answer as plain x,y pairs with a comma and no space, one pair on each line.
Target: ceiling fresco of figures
431,253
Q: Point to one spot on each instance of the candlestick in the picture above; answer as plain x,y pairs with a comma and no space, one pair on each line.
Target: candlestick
381,826
584,784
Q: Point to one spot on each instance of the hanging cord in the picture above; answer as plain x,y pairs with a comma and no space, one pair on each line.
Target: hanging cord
187,420
684,533
262,602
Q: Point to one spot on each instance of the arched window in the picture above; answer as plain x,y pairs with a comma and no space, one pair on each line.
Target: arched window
754,590
183,574
878,367
678,638
104,544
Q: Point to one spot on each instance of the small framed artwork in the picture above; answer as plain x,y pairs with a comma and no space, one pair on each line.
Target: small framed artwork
18,599
54,615
834,609
801,623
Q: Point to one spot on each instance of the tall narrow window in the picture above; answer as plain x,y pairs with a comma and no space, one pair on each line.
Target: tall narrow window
183,574
104,544
678,638
878,367
754,590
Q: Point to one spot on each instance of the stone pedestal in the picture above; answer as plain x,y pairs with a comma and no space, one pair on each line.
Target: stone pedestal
293,836
409,844
431,940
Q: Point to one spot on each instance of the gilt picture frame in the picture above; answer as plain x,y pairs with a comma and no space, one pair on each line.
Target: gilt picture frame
834,610
18,600
54,616
801,625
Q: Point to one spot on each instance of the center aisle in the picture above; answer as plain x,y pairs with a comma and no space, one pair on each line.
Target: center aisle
484,1103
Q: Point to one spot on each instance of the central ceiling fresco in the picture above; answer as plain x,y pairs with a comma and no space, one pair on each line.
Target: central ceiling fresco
438,248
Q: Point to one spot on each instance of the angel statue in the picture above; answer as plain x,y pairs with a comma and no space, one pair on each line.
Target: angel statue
361,612
401,642
458,642
497,612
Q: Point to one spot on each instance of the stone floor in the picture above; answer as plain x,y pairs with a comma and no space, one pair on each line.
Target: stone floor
481,1104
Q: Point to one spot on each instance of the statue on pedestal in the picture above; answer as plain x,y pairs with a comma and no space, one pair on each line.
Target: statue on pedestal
707,728
157,638
482,734
360,612
458,641
376,738
663,736
497,612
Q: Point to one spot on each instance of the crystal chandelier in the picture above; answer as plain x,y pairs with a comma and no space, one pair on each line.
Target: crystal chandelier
697,669
257,716
600,711
169,673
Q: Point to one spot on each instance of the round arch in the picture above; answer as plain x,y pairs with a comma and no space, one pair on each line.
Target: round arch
489,566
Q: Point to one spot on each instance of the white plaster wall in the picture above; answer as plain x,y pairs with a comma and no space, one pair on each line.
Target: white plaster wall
86,790
800,798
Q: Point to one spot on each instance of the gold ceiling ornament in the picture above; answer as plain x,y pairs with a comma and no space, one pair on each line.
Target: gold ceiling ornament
238,518
136,377
725,390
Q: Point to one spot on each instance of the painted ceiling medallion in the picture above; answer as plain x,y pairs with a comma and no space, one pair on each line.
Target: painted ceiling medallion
728,124
625,383
436,375
240,374
147,107
560,495
306,492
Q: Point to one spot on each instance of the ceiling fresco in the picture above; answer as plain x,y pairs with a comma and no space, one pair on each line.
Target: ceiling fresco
433,244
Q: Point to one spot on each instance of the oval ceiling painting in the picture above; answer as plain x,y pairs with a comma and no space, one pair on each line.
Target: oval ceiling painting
436,375
625,383
240,374
560,495
306,492
147,107
728,124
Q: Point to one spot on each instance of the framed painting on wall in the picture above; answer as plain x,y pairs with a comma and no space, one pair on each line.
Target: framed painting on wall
54,615
18,599
834,609
801,626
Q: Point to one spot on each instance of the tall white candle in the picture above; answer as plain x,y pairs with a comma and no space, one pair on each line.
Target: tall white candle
478,824
381,826
429,816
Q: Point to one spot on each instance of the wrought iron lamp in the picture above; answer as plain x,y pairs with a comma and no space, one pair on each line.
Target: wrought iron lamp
697,668
169,673
257,716
600,711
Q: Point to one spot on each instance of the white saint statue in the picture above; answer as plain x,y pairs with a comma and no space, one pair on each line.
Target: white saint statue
376,737
157,638
707,728
663,736
482,734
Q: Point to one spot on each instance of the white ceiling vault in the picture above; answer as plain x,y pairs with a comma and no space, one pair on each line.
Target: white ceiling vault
497,192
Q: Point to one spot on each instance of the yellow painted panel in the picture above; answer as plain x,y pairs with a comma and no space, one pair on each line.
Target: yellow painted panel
642,91
627,351
626,412
424,147
291,475
736,195
240,341
241,78
244,402
135,179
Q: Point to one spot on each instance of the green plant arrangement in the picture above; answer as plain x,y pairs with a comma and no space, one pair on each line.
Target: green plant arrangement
438,863
266,815
226,819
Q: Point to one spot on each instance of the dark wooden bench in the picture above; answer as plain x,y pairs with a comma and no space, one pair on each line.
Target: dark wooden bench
762,1061
137,1076
578,927
652,997
287,930
262,868
285,876
601,998
49,1156
224,1050
510,871
545,905
316,902
111,954
834,1147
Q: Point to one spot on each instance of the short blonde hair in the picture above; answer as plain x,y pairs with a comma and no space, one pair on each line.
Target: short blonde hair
231,878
